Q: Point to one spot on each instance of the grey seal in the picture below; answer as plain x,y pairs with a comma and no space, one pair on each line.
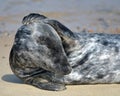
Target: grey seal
48,55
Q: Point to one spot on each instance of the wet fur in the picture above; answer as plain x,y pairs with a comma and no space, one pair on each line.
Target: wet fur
48,55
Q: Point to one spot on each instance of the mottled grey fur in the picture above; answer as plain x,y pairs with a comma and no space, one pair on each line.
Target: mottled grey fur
48,55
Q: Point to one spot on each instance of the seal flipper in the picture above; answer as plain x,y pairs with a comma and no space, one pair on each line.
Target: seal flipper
66,35
60,28
44,84
43,80
50,86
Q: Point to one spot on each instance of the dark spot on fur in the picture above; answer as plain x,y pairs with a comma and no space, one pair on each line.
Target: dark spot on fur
100,76
85,58
116,49
105,43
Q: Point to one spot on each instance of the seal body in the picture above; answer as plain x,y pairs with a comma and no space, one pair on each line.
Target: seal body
48,55
95,59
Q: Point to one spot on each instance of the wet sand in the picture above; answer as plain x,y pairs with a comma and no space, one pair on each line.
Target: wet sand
83,15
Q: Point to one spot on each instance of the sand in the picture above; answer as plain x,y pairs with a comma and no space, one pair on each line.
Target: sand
94,16
10,85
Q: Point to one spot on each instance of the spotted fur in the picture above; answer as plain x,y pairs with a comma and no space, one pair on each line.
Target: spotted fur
48,55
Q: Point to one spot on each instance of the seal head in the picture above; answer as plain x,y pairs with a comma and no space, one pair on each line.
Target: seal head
38,45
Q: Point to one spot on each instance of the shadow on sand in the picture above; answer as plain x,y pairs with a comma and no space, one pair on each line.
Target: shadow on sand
11,78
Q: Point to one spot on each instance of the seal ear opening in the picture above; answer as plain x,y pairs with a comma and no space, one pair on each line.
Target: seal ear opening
66,35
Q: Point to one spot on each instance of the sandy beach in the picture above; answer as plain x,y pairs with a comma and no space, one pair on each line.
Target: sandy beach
82,15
